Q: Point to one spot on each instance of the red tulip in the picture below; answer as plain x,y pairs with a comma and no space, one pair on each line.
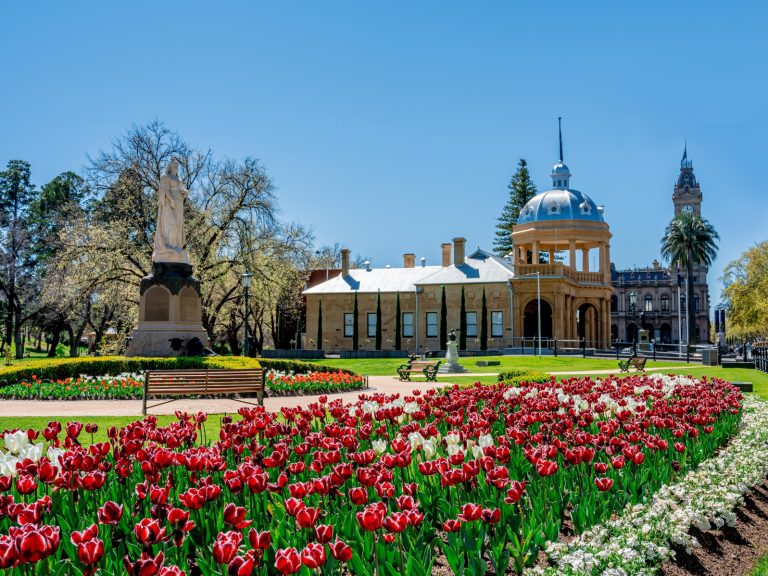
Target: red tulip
235,516
372,517
341,551
515,492
452,525
604,484
293,506
89,533
145,566
259,540
74,429
546,468
313,556
90,552
358,495
171,571
288,561
679,447
25,484
491,516
470,512
225,547
324,533
148,531
307,517
7,552
241,566
600,467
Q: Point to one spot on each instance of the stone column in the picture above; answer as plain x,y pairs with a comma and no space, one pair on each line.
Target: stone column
585,260
514,255
551,256
535,252
572,259
607,263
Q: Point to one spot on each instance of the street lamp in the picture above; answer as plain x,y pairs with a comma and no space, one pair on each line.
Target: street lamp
633,313
246,278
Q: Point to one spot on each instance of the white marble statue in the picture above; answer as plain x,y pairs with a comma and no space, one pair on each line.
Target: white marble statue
169,234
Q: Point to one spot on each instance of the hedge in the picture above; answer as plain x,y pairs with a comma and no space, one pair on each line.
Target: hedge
515,377
60,368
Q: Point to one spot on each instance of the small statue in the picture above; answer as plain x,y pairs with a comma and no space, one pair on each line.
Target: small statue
452,335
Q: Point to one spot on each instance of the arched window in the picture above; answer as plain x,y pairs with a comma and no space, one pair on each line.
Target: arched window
648,303
665,303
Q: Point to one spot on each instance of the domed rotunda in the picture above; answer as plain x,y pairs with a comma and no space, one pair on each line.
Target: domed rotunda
574,296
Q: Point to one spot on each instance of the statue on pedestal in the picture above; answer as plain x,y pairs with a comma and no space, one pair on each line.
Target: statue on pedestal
452,355
170,311
169,233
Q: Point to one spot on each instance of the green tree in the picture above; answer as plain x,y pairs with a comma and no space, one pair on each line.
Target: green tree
378,320
398,328
521,190
443,322
320,325
745,293
17,280
484,324
355,331
463,323
690,240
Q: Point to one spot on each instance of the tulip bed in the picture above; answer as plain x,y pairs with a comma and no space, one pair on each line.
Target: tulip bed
284,384
130,386
474,479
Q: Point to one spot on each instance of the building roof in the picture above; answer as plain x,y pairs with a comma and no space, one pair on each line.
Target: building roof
374,280
560,204
479,267
640,275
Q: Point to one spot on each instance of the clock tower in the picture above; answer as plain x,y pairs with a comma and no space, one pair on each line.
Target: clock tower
687,194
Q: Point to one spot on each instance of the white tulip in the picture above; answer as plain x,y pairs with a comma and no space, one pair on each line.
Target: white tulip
15,441
429,449
485,440
380,446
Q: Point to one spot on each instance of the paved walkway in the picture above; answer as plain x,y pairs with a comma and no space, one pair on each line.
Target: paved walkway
52,408
385,384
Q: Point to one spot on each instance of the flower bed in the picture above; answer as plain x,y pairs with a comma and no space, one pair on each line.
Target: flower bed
646,534
121,387
483,475
287,384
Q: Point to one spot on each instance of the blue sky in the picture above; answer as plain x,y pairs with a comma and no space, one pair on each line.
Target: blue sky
391,127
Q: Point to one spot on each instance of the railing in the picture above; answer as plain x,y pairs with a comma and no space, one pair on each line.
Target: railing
760,356
559,270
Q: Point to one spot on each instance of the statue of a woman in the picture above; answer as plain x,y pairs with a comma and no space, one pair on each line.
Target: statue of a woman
169,234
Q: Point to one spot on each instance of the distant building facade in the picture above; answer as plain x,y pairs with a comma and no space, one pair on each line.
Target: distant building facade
656,287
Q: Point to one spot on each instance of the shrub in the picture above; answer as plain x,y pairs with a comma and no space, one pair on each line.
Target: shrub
515,377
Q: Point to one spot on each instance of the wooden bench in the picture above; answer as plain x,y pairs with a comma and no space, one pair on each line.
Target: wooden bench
164,383
426,367
635,362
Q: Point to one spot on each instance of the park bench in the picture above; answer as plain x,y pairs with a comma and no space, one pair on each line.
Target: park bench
186,383
426,367
635,362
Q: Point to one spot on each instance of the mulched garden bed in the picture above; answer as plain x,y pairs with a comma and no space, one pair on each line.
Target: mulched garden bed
728,551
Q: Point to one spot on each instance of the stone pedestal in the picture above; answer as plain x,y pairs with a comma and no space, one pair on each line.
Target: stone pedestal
170,313
643,340
451,365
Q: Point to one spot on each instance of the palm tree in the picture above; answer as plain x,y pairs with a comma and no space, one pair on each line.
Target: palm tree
690,240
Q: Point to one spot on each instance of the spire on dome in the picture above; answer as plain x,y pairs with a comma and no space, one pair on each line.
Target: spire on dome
560,173
685,163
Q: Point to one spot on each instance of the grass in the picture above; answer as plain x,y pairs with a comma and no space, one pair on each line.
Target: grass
761,568
388,366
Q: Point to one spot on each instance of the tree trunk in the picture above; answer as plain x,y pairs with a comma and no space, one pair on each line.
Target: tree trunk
55,340
690,311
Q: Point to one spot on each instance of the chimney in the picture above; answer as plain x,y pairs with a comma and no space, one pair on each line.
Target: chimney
344,262
423,262
458,250
446,254
409,260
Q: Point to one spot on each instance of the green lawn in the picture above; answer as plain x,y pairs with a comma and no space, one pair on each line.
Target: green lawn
388,366
761,568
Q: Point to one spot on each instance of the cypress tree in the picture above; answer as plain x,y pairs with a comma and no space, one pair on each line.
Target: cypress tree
320,325
484,324
521,189
443,322
378,320
355,332
463,323
398,328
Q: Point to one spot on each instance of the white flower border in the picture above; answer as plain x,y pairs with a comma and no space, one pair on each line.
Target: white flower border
639,540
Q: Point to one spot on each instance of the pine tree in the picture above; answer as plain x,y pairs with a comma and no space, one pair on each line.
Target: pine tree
398,328
320,325
484,324
355,332
521,190
463,323
443,323
378,321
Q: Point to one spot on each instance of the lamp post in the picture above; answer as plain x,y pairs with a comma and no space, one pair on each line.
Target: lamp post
246,278
633,313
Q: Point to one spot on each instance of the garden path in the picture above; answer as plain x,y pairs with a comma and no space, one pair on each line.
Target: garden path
385,384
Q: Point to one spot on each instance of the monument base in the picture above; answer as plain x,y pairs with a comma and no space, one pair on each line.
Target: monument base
451,365
170,314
